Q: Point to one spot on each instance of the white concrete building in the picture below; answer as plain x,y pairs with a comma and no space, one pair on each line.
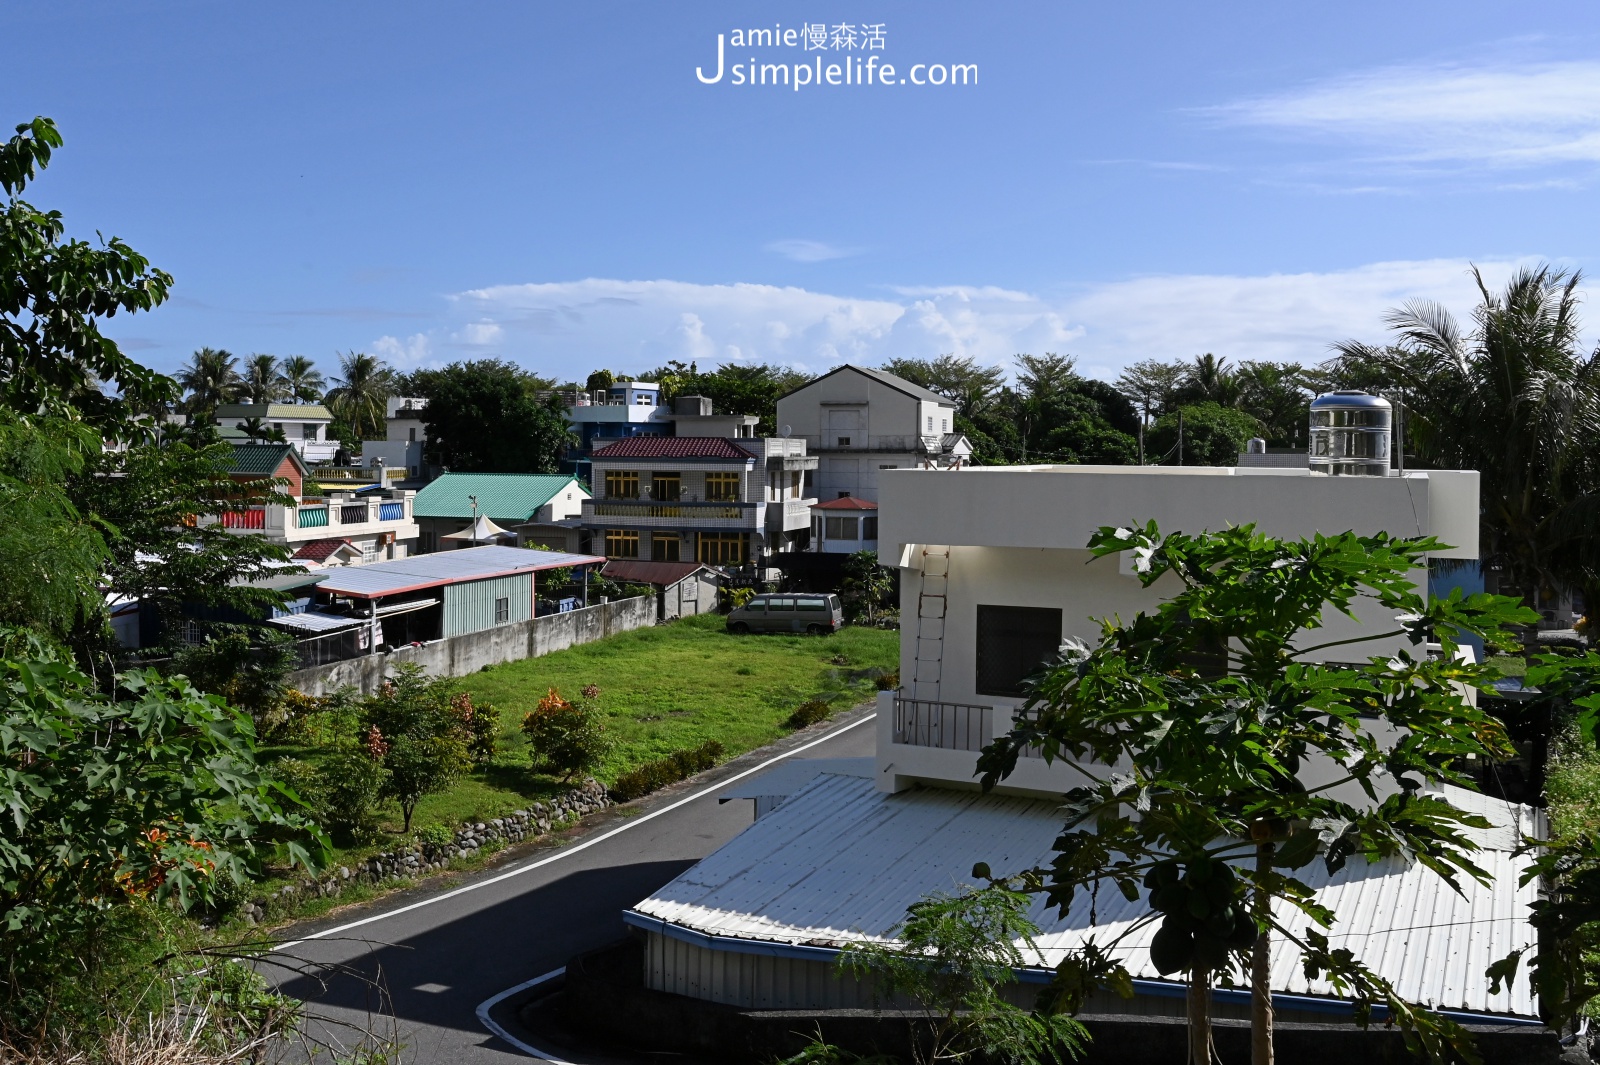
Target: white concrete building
844,526
860,422
305,425
405,435
993,577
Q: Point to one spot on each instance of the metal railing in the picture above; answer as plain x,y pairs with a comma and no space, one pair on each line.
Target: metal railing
254,518
391,511
311,517
949,726
667,510
353,514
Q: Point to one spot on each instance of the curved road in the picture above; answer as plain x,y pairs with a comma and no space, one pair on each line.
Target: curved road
441,951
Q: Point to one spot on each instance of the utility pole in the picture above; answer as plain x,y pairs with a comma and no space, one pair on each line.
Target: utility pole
474,501
1180,436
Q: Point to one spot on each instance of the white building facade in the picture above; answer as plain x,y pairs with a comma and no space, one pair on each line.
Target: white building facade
861,422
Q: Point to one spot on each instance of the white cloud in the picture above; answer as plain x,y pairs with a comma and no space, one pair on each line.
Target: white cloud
565,329
810,251
406,353
1498,115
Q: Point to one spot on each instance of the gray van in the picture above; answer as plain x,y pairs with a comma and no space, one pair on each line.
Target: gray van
795,612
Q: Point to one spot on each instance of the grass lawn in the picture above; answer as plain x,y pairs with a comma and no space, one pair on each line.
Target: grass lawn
662,689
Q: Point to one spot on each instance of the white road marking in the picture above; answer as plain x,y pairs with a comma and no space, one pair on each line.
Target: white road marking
585,845
432,989
489,1022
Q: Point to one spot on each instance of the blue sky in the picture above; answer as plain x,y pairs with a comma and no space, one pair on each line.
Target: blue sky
554,185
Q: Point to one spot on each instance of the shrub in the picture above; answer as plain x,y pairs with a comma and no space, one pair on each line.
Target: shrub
423,743
481,725
888,682
738,597
809,713
653,776
567,738
352,783
434,835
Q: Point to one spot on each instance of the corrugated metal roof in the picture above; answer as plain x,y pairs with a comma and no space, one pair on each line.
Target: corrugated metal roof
263,460
665,574
511,497
444,567
840,862
314,621
268,411
673,447
792,775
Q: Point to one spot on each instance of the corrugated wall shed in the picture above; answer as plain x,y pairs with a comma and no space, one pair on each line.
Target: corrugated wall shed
469,607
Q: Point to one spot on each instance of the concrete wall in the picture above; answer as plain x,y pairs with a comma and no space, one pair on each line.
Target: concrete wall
458,656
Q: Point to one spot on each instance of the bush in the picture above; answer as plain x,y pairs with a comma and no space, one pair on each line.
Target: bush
481,724
888,682
435,835
352,783
809,713
567,738
653,776
738,597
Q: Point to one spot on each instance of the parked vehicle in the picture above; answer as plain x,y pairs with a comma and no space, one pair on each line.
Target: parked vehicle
795,612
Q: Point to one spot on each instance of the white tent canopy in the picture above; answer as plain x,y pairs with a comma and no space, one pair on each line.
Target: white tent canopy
483,531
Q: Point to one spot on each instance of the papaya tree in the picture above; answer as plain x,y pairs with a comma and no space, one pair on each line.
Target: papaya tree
1221,751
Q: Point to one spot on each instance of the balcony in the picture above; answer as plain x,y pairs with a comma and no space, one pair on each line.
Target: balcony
789,515
946,726
680,515
314,518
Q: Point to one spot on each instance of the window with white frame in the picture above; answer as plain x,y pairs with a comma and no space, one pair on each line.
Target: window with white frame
843,528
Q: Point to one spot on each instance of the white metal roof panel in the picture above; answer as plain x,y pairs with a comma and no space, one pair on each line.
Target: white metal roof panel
314,621
445,567
840,862
793,774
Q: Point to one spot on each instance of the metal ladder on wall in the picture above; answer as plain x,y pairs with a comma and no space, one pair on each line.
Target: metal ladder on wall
933,604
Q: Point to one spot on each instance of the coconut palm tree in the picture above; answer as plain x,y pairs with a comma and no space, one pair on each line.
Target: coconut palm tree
263,382
211,379
261,431
302,382
1514,400
360,393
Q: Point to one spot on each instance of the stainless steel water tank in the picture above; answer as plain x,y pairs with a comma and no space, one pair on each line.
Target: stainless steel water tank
1350,434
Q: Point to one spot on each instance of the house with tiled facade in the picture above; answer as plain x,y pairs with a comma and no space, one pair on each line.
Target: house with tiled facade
724,502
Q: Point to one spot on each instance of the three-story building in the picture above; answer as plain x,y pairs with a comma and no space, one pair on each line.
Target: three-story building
701,498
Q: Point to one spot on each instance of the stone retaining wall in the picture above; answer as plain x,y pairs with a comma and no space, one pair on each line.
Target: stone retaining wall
420,859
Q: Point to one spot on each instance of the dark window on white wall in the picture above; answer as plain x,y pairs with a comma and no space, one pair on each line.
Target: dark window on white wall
502,611
1013,642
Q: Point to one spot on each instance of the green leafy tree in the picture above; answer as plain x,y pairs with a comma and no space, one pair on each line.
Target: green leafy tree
52,353
165,503
211,379
262,379
422,745
1515,399
735,389
360,395
486,417
974,389
567,738
302,381
50,554
248,665
866,586
1209,380
1276,396
1219,719
1151,385
151,792
953,958
1213,435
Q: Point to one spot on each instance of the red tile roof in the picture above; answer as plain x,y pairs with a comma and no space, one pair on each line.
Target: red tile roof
317,550
673,447
665,574
847,503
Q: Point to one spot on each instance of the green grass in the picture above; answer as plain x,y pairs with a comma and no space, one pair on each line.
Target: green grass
669,687
662,689
1572,788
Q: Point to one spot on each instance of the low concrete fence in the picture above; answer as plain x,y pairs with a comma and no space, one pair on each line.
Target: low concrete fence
457,656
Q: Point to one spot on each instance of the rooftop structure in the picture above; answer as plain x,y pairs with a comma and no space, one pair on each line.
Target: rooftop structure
844,525
445,567
305,425
450,502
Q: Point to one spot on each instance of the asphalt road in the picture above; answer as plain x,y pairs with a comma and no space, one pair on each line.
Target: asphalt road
440,951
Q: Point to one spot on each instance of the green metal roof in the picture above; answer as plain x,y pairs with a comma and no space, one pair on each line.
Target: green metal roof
501,496
267,411
263,460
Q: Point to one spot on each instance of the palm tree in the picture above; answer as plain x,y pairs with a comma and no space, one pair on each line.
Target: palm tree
211,379
302,382
1514,400
360,394
1211,379
261,431
263,383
